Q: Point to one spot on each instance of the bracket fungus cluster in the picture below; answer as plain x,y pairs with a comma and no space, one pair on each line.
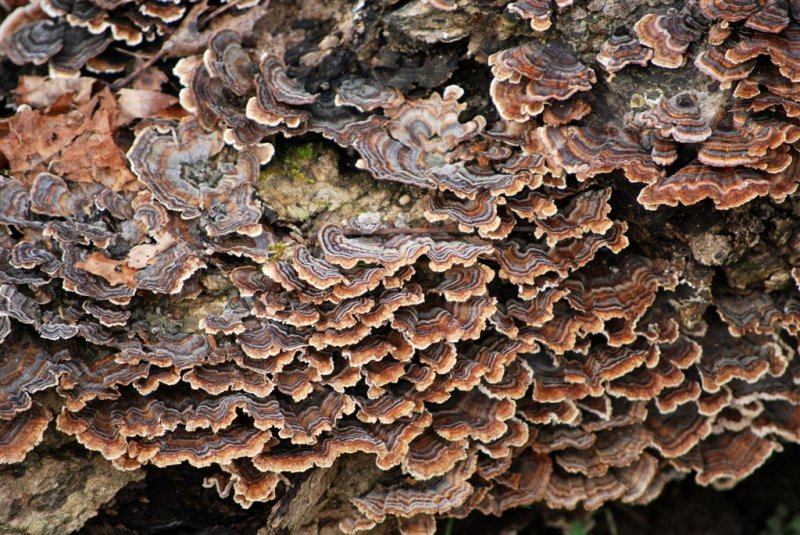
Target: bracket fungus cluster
744,140
101,36
516,344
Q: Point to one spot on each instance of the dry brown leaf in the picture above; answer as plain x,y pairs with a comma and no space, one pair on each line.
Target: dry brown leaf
145,104
43,92
151,78
116,272
77,145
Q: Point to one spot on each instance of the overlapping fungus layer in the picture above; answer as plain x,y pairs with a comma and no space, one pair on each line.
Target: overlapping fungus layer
511,349
69,35
746,140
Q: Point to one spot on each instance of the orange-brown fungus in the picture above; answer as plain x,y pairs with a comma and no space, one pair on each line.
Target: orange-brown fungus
516,335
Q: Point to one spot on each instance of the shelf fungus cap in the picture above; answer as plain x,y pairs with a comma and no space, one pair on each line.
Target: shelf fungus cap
669,36
621,49
727,187
278,97
367,95
225,58
727,10
527,76
190,178
590,151
714,63
783,49
686,117
36,42
20,434
538,12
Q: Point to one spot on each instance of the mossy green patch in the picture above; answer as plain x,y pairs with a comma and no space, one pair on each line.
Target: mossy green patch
277,250
304,181
305,152
294,162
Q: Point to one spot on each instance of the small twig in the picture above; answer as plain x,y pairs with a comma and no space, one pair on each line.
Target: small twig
131,53
119,84
610,522
221,9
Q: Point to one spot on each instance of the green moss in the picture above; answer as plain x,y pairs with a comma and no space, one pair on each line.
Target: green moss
783,521
293,162
594,20
577,527
305,152
277,250
304,181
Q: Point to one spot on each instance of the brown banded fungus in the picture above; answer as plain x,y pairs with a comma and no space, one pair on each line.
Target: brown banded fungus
529,76
622,49
669,36
70,36
750,151
510,343
538,12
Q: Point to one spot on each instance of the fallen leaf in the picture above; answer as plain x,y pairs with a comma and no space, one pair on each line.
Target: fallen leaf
41,92
116,272
146,104
76,144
